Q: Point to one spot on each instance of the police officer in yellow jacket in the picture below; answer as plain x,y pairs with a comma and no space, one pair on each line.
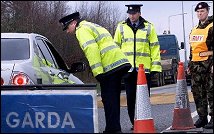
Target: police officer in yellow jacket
137,38
201,65
107,61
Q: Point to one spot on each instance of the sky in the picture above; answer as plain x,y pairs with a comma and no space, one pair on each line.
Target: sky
165,15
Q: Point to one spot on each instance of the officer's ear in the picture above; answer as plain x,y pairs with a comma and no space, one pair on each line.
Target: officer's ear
74,23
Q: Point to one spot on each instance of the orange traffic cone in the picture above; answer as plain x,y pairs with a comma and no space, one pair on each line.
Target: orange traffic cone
143,118
182,119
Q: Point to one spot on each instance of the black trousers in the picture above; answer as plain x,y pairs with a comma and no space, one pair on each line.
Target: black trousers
130,81
110,93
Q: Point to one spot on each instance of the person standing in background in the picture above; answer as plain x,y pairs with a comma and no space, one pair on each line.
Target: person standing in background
137,38
201,65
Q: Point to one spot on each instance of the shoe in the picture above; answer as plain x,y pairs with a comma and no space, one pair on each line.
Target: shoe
210,124
201,122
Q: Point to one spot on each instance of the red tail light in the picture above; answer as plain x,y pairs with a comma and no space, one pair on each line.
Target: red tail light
2,81
20,79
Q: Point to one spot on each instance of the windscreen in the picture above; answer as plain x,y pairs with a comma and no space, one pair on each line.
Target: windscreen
168,45
15,49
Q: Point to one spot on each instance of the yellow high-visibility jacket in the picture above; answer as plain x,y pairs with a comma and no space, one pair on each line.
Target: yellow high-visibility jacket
46,78
198,38
99,48
146,50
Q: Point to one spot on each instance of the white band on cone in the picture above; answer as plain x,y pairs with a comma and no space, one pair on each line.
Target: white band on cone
143,105
181,99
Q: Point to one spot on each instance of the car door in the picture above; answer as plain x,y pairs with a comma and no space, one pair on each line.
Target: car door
75,67
58,75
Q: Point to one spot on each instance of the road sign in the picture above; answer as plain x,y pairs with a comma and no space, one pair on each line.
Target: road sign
40,111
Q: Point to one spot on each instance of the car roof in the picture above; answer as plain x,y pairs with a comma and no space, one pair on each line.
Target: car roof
20,35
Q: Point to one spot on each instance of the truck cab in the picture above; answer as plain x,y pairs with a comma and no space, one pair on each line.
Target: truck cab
169,52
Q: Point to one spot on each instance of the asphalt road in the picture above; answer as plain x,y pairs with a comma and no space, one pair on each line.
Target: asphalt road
162,113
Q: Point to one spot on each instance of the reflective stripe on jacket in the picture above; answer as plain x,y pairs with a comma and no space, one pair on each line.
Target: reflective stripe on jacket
147,46
198,44
99,48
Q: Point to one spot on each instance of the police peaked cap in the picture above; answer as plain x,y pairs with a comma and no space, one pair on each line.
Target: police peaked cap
201,5
133,8
68,19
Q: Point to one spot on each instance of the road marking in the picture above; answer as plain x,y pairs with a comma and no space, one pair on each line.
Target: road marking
193,114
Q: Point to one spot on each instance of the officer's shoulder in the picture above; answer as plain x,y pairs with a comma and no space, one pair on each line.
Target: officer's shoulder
146,21
122,22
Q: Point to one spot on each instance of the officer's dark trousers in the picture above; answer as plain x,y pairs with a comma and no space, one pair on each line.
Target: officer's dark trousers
130,81
110,93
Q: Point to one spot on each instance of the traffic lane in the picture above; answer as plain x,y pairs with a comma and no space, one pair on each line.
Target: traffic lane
161,98
171,88
166,94
162,116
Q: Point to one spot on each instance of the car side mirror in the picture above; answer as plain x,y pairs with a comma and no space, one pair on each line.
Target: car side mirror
182,45
77,67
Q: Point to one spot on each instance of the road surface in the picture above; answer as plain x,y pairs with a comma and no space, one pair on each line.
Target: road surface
162,105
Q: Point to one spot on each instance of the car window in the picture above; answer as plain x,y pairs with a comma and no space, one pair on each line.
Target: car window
15,49
59,61
46,53
38,53
50,46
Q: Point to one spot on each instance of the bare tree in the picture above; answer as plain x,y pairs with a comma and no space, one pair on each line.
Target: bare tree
103,13
43,17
